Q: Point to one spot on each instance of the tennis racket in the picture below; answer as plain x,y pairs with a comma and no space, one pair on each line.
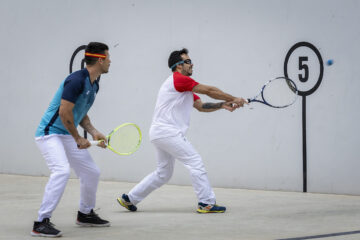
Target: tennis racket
123,140
279,92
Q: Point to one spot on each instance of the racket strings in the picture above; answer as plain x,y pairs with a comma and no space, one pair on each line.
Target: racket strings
124,140
280,92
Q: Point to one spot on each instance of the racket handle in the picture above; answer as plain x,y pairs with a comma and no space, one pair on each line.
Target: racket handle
234,104
94,143
249,100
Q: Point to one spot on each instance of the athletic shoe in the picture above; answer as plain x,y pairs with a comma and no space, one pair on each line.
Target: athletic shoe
210,208
45,229
91,220
125,202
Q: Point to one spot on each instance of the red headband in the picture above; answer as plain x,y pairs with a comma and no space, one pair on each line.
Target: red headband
98,55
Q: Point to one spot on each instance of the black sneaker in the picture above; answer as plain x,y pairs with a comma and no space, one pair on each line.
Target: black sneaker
45,229
210,208
91,220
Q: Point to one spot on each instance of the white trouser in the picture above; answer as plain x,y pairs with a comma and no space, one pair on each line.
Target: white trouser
61,153
168,149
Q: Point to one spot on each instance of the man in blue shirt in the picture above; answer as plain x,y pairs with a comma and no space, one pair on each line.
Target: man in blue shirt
62,146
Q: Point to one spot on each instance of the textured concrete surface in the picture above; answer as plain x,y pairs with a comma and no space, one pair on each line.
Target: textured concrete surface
169,213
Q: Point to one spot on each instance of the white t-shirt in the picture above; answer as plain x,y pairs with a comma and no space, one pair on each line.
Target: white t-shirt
173,106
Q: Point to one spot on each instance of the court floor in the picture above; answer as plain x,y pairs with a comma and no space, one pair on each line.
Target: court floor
169,213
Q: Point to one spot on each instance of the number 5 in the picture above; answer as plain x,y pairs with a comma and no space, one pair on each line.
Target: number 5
305,67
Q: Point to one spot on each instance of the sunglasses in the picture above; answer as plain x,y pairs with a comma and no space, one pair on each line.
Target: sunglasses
187,61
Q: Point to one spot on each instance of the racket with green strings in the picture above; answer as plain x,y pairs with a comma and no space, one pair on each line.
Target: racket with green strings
123,140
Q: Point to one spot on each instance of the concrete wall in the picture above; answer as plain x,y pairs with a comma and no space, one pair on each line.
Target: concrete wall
235,45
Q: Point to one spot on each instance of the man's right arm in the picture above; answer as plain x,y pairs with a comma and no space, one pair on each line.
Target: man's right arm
67,118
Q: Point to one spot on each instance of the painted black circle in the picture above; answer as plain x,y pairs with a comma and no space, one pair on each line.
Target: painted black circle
82,47
316,51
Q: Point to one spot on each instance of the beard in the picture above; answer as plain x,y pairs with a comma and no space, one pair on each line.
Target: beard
187,73
106,70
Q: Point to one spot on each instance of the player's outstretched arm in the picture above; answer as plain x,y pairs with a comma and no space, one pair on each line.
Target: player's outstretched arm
216,93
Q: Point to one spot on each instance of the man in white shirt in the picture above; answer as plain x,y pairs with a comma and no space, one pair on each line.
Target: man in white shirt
171,119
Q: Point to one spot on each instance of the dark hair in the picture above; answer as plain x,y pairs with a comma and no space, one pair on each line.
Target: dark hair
94,47
175,57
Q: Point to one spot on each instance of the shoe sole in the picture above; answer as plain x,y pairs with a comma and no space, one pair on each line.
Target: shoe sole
206,211
124,205
36,234
92,224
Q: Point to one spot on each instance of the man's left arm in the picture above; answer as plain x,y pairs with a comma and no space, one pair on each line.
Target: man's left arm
87,126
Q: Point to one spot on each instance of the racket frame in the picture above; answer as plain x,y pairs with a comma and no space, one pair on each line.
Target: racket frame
108,137
292,87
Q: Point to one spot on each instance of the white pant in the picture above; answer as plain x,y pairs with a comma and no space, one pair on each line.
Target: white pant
61,153
169,149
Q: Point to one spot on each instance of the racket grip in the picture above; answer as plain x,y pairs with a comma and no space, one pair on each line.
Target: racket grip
94,143
249,100
234,104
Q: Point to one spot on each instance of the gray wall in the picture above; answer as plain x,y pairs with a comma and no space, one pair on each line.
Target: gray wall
235,45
